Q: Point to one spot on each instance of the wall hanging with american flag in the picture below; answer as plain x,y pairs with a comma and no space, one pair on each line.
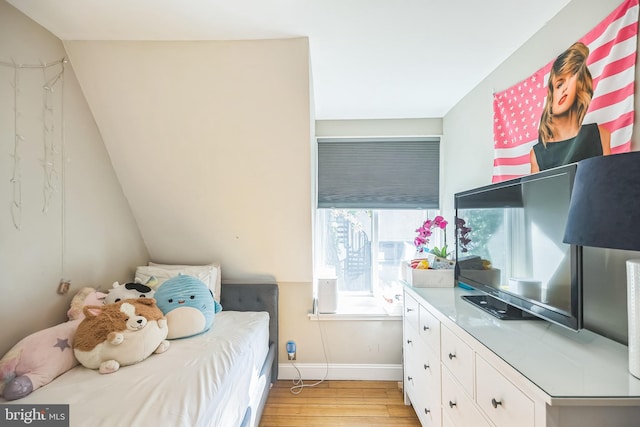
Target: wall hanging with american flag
611,61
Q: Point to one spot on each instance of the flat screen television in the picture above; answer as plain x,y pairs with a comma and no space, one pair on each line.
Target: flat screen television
509,246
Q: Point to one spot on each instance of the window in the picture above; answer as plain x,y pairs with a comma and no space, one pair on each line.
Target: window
372,195
364,249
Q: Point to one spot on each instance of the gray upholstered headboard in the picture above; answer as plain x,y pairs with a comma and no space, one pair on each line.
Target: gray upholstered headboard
255,297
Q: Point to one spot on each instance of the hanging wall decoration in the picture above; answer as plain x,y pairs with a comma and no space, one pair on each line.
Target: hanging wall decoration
579,105
50,117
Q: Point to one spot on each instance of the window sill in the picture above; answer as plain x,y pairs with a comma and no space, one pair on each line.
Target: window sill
363,308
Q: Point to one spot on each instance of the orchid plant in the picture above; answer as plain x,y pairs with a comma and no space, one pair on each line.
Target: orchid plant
426,231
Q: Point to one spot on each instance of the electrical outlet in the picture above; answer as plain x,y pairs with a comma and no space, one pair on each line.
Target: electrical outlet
291,350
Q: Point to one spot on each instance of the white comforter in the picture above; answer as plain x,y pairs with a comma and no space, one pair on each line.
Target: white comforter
206,380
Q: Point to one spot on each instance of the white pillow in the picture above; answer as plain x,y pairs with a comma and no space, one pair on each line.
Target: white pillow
209,274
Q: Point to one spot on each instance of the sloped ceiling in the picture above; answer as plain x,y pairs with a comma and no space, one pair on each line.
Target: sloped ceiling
369,58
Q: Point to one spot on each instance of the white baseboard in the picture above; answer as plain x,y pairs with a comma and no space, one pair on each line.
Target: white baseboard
336,371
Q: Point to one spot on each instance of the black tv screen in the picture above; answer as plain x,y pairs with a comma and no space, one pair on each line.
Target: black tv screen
509,245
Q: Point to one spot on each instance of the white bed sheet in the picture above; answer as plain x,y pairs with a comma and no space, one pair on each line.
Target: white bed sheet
206,380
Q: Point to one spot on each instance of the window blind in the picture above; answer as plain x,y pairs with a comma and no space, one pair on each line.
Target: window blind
384,173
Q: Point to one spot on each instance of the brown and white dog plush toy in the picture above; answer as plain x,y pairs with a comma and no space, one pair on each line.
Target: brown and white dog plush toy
120,334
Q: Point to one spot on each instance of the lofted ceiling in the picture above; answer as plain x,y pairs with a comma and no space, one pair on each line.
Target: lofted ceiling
370,59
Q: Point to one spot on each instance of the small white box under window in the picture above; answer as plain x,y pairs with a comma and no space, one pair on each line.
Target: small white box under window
327,295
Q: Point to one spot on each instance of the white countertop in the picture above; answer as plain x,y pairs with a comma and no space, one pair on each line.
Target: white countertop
562,362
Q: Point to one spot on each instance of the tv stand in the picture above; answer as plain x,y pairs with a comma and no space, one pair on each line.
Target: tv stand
497,308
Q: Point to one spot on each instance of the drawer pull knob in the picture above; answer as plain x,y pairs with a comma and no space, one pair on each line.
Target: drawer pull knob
425,328
426,366
409,310
495,403
451,356
409,341
409,378
452,404
426,411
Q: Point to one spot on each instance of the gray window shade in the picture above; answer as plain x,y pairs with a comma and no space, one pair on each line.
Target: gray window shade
378,173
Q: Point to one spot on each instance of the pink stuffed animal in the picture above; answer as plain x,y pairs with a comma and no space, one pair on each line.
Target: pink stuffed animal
42,356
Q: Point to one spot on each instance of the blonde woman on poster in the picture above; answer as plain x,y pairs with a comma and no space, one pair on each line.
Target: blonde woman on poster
562,138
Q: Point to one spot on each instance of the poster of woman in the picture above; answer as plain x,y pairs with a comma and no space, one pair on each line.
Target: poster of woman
579,105
562,136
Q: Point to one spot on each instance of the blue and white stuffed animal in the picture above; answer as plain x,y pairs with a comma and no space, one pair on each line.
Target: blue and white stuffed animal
188,305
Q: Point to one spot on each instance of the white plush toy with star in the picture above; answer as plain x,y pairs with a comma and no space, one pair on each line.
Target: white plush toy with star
40,357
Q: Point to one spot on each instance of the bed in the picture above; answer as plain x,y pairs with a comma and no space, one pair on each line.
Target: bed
219,378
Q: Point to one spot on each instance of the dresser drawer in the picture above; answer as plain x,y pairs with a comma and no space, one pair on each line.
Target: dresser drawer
428,388
458,358
411,312
427,407
425,398
410,345
505,404
429,329
410,349
428,369
457,407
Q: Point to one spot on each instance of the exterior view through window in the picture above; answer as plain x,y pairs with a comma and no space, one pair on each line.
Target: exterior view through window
365,249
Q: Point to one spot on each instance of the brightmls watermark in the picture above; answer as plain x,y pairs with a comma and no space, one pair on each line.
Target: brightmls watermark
34,415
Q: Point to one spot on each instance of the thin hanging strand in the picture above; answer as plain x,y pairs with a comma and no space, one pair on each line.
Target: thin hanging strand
63,162
48,137
16,179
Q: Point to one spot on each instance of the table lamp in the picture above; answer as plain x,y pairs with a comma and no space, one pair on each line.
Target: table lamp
605,213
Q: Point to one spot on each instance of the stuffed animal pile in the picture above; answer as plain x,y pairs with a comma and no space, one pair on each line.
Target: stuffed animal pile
42,356
107,331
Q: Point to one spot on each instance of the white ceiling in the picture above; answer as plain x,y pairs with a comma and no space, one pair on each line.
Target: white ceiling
370,59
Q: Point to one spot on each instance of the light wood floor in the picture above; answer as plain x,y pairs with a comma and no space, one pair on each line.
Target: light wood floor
338,403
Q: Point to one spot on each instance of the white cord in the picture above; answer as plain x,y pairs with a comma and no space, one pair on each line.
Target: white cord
298,383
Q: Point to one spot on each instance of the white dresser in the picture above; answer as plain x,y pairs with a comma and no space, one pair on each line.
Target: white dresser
466,368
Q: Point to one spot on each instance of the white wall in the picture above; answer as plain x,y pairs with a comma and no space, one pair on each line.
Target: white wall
468,153
87,215
210,141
